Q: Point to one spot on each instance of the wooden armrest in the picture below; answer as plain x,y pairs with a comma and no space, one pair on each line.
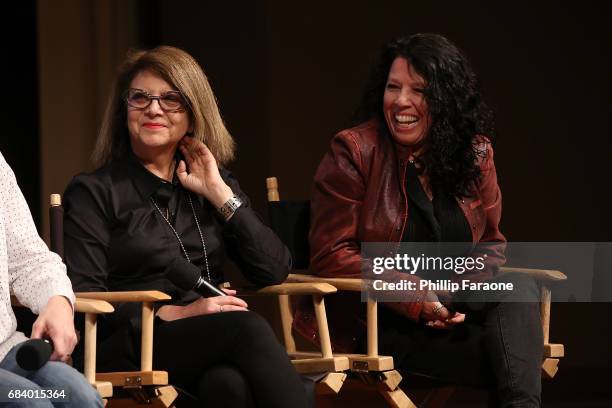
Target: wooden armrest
309,288
131,296
83,305
538,274
349,284
147,298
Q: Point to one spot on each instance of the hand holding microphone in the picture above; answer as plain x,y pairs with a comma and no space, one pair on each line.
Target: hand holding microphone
34,353
188,277
53,336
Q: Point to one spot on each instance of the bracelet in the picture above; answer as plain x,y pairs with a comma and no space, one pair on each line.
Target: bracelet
229,208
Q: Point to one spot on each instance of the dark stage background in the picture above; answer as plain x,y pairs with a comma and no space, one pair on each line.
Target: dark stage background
288,76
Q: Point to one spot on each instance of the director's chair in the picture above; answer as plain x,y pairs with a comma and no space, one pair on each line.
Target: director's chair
291,221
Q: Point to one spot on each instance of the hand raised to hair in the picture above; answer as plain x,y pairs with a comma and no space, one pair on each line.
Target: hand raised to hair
203,176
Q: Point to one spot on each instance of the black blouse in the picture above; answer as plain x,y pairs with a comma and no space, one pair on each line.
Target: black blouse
438,220
115,238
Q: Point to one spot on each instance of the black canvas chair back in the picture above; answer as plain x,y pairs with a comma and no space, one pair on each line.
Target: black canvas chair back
56,225
291,222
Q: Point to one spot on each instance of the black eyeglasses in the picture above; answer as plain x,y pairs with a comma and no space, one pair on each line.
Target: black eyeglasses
171,101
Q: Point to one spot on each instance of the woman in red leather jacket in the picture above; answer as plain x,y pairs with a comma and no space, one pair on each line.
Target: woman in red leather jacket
419,168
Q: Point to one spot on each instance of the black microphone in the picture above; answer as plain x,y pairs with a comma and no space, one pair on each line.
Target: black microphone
34,353
187,276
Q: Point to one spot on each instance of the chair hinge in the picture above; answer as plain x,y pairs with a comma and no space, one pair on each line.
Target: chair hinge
360,366
133,382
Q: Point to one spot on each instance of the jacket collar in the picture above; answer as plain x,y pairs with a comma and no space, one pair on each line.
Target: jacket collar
146,183
403,152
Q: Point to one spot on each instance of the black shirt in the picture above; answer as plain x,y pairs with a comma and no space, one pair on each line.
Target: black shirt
115,238
438,220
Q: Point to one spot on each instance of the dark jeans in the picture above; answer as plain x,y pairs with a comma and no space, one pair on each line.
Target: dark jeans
500,345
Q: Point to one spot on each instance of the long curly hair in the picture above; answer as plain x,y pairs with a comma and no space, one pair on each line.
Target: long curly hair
459,117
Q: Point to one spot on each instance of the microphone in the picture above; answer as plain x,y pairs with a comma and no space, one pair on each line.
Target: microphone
187,276
34,353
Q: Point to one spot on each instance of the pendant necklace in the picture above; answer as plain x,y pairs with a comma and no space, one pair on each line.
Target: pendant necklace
178,238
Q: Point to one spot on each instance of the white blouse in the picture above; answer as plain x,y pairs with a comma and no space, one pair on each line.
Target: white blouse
27,268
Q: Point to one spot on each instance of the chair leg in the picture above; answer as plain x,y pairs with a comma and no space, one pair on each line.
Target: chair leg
330,384
166,395
397,398
104,388
550,367
391,379
438,397
387,383
158,397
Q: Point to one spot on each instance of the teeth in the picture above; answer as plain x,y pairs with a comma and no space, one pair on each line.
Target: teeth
406,118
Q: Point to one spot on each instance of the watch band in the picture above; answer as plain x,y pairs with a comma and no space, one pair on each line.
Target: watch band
229,208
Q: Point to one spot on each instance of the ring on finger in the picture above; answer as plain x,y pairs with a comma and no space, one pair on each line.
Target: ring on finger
220,308
438,309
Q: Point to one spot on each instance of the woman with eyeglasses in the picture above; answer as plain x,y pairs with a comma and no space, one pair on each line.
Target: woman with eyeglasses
161,201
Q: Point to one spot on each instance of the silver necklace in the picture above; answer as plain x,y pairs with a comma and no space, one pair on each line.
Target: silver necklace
178,238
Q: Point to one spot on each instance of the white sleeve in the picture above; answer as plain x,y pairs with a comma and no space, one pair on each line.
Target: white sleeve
35,273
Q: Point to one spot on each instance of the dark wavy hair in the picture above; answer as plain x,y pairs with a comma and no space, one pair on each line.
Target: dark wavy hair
458,115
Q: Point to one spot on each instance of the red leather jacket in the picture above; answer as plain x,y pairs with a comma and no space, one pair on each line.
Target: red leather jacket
359,196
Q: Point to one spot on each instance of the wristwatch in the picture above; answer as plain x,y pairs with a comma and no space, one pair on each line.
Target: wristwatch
229,208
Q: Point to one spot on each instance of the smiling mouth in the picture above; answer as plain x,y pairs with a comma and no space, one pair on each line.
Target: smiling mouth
406,121
153,125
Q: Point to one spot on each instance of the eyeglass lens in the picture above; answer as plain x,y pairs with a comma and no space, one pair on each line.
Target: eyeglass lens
140,99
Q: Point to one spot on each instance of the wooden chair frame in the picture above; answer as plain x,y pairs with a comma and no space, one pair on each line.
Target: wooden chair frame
333,366
91,308
145,387
379,370
373,370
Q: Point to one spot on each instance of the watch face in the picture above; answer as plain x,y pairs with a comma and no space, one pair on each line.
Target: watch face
230,206
235,203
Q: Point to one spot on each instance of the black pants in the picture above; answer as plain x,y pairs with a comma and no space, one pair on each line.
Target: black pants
230,359
500,346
